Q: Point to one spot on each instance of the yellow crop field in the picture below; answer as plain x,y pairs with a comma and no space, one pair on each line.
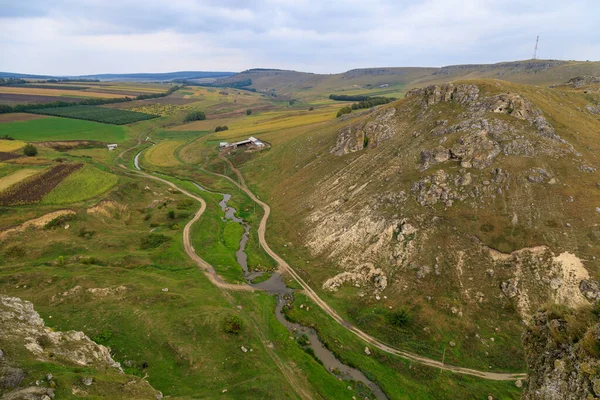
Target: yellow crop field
163,154
10,145
15,177
161,109
53,92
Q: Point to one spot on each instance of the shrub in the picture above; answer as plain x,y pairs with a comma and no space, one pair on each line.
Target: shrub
233,325
195,116
171,214
221,128
15,253
153,240
400,318
249,111
185,204
85,233
311,108
344,110
30,150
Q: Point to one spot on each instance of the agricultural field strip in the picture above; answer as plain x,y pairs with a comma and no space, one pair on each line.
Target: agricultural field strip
52,92
33,189
16,177
10,145
97,114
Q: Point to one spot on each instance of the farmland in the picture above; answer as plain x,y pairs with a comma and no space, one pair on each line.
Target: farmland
15,177
33,189
54,128
24,90
81,185
11,145
96,114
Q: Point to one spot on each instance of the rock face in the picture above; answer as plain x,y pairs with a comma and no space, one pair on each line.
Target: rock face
580,81
22,329
558,368
461,94
366,134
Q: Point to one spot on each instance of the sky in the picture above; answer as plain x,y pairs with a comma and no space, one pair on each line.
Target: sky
76,37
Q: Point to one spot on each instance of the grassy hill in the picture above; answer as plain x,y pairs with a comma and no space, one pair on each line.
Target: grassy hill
396,81
442,221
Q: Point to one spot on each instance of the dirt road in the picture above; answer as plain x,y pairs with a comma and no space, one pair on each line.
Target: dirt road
285,267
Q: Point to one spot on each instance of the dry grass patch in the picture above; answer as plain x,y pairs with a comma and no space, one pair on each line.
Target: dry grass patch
15,117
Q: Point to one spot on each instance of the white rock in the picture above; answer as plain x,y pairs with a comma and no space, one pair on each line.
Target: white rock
367,351
245,350
165,289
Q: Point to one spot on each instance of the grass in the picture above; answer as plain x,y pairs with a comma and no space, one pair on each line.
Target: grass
16,177
84,184
44,129
163,154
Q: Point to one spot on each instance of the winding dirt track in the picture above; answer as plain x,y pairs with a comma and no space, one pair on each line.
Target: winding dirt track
285,267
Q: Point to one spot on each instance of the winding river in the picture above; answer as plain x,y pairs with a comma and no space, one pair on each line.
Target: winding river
276,286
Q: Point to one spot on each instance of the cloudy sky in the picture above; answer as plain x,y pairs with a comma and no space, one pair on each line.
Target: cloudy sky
99,36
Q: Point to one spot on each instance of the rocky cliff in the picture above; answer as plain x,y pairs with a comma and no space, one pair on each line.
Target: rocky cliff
29,350
562,348
473,203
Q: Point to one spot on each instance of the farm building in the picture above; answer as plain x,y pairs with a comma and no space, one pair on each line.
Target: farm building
250,141
223,144
111,146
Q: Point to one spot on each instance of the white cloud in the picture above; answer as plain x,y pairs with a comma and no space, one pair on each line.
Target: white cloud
78,37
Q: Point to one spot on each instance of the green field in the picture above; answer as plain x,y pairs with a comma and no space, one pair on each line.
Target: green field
84,184
43,129
94,113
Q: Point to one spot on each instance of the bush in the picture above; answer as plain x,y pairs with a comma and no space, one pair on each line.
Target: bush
311,108
400,318
221,128
86,233
171,214
153,240
185,204
344,110
249,111
30,150
195,116
233,325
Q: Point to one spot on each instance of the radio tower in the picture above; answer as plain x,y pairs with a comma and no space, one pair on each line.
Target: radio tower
535,49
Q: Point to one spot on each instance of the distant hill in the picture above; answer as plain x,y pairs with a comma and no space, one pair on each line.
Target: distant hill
396,80
160,76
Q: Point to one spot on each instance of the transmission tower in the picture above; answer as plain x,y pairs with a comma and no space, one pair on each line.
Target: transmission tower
536,46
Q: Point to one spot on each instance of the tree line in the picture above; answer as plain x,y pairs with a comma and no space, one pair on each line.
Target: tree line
5,109
366,102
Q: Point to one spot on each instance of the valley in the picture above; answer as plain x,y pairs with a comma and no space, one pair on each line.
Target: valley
397,251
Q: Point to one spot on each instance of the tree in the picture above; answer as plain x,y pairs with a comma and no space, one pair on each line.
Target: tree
195,116
249,111
30,150
345,110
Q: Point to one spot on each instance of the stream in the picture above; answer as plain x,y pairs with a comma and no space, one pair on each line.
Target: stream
276,286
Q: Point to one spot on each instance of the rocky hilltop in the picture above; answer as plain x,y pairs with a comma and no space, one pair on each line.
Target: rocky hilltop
469,204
